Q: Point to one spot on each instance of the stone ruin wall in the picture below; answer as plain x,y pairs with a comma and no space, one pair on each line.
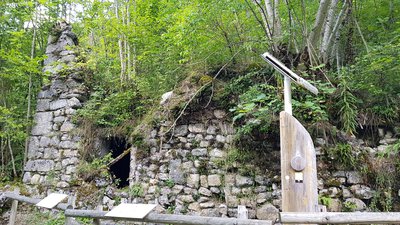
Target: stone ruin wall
182,174
53,146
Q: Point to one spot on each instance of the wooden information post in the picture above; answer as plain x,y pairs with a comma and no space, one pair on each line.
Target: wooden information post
298,159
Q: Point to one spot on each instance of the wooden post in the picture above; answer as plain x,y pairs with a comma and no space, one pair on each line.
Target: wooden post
298,167
96,221
71,202
243,213
14,208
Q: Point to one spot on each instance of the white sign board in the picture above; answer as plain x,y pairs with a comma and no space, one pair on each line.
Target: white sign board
52,200
137,211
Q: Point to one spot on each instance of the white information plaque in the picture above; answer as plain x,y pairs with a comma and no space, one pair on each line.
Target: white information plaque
52,200
137,211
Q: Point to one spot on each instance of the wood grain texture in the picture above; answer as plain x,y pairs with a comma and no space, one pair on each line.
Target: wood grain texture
341,218
297,145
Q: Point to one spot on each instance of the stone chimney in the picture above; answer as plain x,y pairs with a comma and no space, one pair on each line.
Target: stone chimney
53,146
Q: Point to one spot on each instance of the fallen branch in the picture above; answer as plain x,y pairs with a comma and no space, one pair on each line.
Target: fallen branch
119,157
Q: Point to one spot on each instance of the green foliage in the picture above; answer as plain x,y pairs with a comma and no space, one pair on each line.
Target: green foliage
97,168
346,103
349,206
325,200
136,191
343,155
170,183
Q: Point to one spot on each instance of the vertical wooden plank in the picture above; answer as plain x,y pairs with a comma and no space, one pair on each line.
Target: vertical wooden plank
96,221
14,208
71,203
243,213
298,167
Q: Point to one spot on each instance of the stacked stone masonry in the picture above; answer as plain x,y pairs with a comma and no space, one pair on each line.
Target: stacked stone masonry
53,147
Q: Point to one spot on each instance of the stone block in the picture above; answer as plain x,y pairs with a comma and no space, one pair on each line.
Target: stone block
39,165
194,207
362,191
219,114
175,171
231,201
58,104
59,119
214,180
211,129
197,128
181,130
205,205
217,153
68,145
67,126
43,105
203,181
199,152
354,177
74,103
43,124
242,181
354,204
193,180
220,138
204,191
186,198
267,212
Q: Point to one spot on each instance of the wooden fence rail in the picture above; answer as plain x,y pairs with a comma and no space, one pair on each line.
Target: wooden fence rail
170,218
284,217
340,218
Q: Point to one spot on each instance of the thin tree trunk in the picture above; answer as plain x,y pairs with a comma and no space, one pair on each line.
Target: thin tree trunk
328,30
2,148
28,110
12,156
277,21
315,34
362,36
120,46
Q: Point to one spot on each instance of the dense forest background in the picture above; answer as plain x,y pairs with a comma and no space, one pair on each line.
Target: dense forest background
133,51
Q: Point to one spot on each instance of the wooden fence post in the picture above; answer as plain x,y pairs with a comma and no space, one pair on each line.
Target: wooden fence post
71,202
96,221
243,213
14,207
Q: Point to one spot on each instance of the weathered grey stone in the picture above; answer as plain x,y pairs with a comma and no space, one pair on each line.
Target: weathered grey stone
346,193
67,126
362,191
203,199
58,104
205,205
204,144
204,191
44,142
27,177
214,180
220,138
217,153
67,59
229,139
209,138
186,198
339,174
163,200
180,130
43,124
353,177
70,111
209,212
262,197
36,179
177,189
223,209
175,171
43,105
215,190
203,181
198,138
194,207
259,189
74,103
354,204
187,166
59,119
267,212
199,152
193,180
39,165
68,145
333,192
243,181
197,128
46,94
231,201
33,147
211,129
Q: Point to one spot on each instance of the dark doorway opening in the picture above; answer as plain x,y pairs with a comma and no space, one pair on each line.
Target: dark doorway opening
120,169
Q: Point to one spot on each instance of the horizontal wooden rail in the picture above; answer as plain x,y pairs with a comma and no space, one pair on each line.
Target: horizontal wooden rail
340,218
33,201
170,218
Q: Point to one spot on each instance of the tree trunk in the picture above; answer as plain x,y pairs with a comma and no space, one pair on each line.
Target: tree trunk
328,30
120,47
12,156
28,110
315,35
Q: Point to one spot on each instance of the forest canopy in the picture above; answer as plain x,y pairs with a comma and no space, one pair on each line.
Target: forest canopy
136,50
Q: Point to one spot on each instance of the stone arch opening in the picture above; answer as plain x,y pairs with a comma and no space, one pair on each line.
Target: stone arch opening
120,169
